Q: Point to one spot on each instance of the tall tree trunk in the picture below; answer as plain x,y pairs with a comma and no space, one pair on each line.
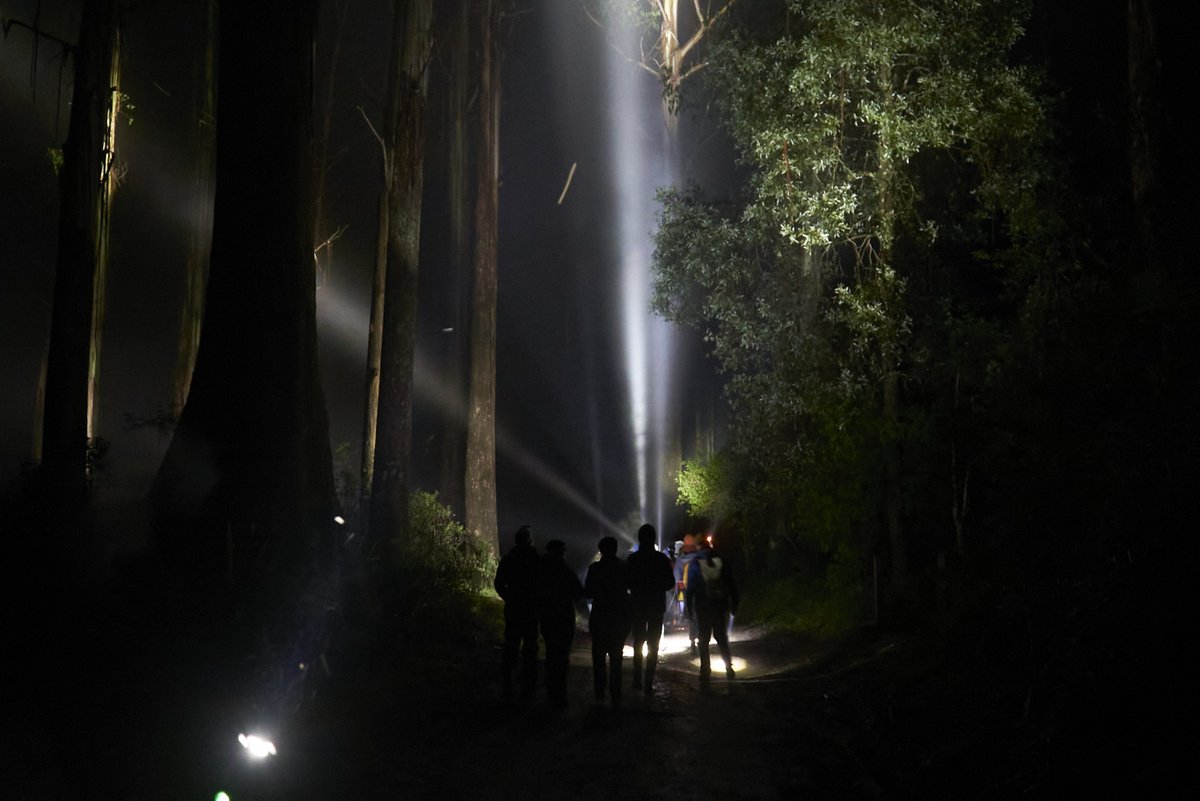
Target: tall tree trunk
1146,128
374,346
204,142
324,236
108,189
404,137
457,163
85,191
480,514
250,461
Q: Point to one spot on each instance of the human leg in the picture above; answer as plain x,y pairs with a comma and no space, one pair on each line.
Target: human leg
639,638
653,637
721,634
508,658
614,670
704,631
599,654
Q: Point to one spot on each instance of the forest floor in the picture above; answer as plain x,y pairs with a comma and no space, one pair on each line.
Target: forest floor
139,716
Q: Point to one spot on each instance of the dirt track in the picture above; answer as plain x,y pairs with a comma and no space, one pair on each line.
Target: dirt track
759,737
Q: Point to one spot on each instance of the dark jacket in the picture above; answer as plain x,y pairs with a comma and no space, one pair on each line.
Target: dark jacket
607,584
560,589
650,578
517,580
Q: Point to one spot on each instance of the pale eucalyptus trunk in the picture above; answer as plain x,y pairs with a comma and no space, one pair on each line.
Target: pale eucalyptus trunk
404,139
480,512
453,441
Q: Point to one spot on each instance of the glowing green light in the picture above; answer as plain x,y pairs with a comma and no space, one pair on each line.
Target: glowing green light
221,796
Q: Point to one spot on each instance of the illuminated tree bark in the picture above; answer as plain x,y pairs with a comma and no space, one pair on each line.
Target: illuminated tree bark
204,99
480,514
458,162
672,56
86,190
374,345
404,139
246,486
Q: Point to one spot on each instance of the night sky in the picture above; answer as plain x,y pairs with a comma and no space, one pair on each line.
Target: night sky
562,396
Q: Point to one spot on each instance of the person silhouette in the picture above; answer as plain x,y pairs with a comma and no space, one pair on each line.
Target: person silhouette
650,579
711,597
516,582
560,591
607,585
685,554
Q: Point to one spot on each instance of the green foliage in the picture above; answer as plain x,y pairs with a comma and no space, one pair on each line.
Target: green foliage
440,552
439,575
704,487
55,157
890,225
828,604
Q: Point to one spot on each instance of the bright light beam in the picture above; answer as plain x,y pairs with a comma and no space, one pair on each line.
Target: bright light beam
430,385
640,163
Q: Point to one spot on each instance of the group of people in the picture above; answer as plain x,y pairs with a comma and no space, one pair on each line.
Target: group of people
628,598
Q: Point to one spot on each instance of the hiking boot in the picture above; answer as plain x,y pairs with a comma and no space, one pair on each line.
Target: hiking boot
729,674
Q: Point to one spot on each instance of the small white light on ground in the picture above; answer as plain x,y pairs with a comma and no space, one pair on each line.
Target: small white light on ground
257,747
341,521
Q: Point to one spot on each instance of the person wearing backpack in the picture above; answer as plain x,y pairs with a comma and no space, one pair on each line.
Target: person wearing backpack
685,554
711,598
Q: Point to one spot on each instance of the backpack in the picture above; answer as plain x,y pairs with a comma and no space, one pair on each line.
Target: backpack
714,584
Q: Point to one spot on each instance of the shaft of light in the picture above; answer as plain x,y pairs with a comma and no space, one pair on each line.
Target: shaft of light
640,164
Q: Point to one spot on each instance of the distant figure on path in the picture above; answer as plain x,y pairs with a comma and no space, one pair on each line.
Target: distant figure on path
560,591
650,579
712,596
517,583
684,556
607,584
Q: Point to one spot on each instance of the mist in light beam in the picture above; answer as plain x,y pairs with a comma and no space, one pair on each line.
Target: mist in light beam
641,163
430,386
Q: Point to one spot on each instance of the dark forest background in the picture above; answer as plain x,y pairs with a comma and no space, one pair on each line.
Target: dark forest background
1014,488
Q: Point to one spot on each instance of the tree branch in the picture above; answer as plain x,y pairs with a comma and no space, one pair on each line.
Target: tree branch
9,23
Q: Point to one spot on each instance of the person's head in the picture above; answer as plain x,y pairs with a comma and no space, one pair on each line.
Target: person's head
556,548
524,536
608,546
689,543
647,536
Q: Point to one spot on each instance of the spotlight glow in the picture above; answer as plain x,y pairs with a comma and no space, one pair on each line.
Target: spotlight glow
718,663
256,746
673,643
